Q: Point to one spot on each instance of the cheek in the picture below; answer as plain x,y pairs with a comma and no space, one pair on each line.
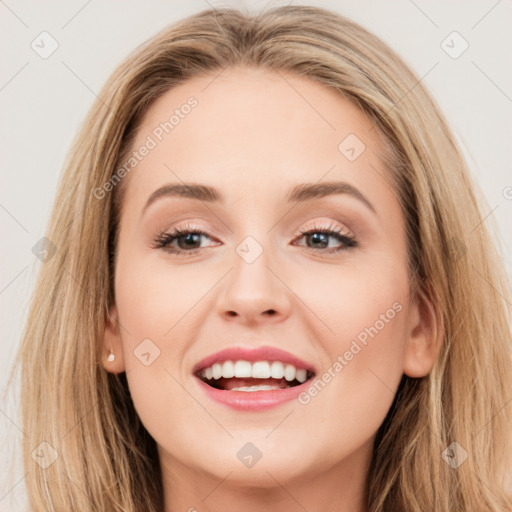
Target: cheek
366,312
355,390
153,299
153,303
371,333
368,351
363,301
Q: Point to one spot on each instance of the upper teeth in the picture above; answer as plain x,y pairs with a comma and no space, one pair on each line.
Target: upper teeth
257,370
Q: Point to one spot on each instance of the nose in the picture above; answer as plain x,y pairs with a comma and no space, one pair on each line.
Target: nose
254,293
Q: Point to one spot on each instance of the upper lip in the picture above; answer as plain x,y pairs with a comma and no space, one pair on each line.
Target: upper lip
264,353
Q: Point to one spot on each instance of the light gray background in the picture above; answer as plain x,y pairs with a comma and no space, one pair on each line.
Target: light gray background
43,102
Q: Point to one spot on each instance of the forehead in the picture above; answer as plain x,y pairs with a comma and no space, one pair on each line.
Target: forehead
252,130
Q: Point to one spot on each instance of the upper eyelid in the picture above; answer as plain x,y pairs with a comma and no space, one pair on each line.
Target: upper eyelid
319,225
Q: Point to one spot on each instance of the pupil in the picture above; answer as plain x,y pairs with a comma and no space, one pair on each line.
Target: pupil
315,237
189,238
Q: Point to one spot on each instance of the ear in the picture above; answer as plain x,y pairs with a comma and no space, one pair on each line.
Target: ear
424,339
112,343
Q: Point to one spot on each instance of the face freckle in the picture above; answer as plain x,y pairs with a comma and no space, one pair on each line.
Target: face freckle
250,167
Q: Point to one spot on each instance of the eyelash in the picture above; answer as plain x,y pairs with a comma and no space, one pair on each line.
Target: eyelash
164,239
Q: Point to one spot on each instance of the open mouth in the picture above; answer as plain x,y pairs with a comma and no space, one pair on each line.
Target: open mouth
258,376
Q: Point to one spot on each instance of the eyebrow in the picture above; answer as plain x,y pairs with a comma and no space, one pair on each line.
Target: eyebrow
299,193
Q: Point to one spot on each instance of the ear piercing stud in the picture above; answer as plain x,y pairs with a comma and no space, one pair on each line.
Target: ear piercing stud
111,357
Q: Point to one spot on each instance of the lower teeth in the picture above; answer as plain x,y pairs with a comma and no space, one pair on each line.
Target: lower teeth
255,388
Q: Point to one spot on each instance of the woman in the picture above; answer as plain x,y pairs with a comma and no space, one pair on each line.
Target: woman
258,369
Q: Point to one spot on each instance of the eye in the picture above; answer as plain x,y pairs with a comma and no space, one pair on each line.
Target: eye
319,237
187,239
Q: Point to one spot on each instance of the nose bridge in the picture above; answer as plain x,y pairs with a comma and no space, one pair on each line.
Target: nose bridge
252,290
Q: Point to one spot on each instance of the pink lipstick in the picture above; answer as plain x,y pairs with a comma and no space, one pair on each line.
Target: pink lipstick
253,379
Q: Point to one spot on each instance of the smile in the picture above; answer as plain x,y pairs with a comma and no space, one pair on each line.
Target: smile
253,380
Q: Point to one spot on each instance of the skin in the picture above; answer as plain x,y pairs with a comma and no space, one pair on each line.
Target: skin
255,134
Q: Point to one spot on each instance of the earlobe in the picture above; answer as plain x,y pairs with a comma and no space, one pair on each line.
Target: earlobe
112,350
424,337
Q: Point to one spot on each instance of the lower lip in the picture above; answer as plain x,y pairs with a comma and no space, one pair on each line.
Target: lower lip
253,400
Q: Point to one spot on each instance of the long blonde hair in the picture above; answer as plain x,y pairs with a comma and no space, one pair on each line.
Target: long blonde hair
106,460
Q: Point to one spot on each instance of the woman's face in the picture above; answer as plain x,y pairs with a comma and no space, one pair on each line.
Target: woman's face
275,155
